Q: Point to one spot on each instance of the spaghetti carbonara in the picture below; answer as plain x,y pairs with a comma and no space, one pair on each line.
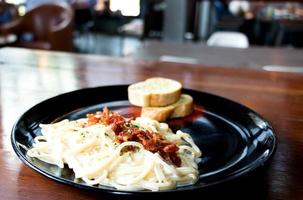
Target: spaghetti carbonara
107,149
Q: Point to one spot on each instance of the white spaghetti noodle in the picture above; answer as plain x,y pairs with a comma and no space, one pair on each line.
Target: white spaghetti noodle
97,158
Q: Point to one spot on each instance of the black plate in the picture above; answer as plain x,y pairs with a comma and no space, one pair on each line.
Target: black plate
234,139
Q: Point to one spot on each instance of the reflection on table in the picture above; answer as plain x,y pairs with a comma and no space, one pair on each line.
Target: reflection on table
30,76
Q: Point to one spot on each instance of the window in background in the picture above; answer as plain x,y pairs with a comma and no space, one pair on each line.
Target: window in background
126,7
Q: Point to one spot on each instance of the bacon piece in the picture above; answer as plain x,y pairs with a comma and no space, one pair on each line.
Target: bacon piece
152,141
170,148
106,117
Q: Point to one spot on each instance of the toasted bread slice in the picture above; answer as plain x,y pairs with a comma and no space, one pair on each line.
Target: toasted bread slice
154,92
181,108
157,113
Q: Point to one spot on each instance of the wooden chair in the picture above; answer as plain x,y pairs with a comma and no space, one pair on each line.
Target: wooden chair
47,26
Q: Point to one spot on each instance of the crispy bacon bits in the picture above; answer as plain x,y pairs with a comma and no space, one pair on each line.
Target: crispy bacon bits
106,117
125,131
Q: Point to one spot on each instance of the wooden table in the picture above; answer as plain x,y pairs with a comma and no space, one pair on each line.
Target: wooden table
29,76
200,53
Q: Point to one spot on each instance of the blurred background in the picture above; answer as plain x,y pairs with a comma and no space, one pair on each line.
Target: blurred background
123,27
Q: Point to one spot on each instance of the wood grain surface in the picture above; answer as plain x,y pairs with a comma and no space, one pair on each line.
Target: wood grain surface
252,57
28,77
